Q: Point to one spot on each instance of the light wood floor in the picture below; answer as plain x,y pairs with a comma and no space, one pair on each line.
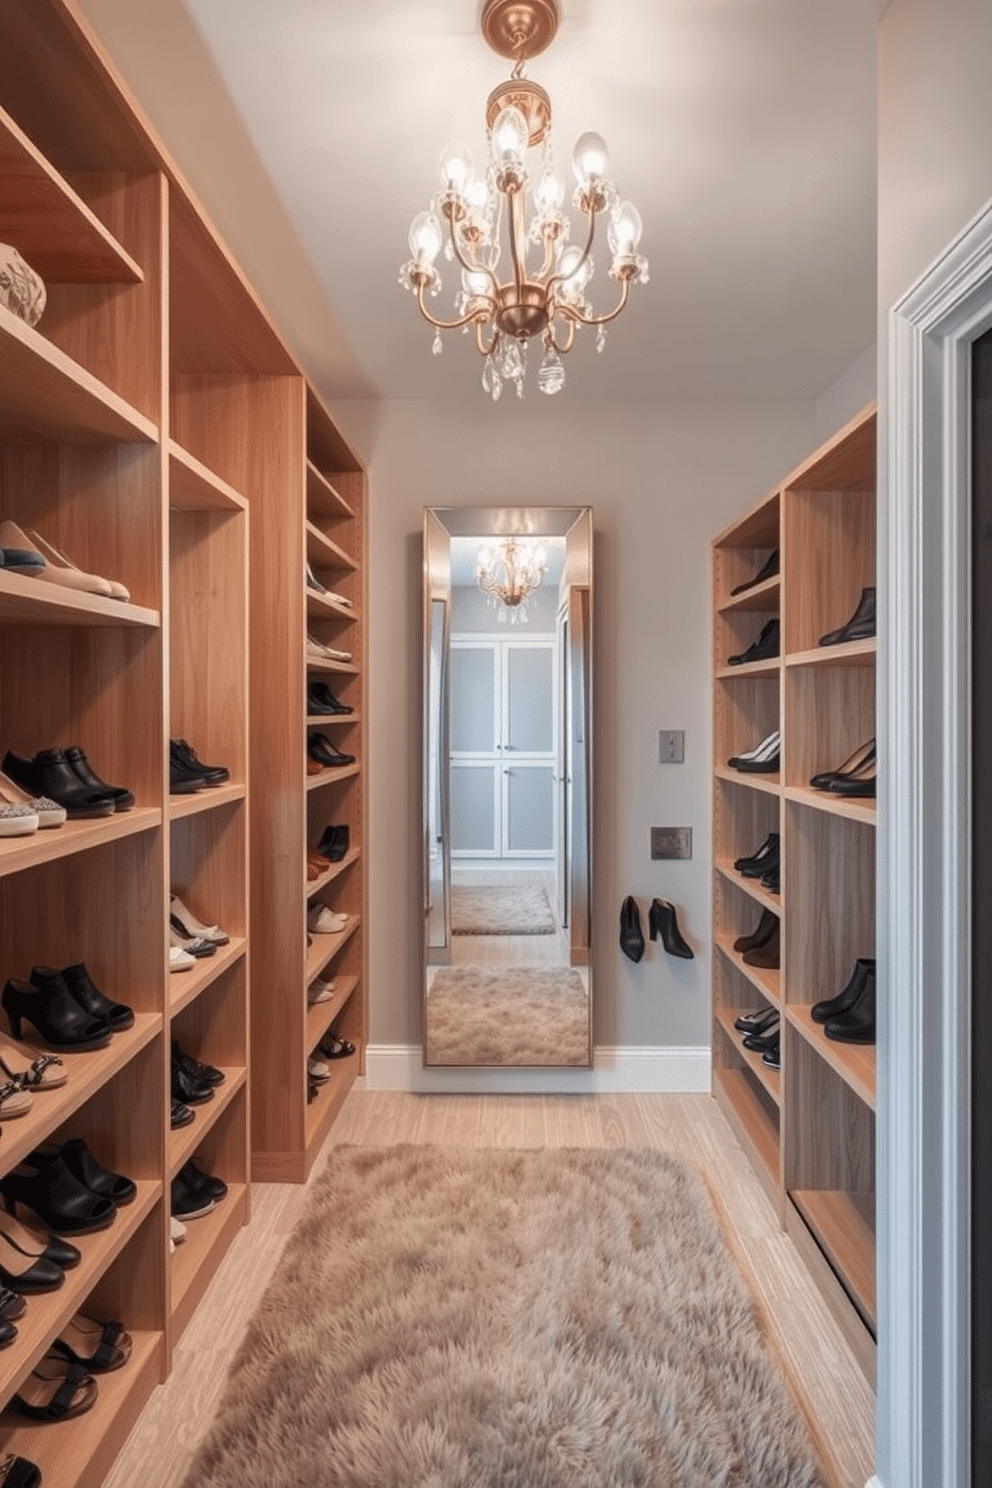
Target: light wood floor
160,1447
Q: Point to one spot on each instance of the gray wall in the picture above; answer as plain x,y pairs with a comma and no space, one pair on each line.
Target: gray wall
662,479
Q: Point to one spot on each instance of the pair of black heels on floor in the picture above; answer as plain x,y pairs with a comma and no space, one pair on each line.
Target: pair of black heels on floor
662,922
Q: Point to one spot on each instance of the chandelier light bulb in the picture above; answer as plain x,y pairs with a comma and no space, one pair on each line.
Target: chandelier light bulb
548,192
475,282
425,237
624,232
589,158
574,271
477,194
509,137
455,168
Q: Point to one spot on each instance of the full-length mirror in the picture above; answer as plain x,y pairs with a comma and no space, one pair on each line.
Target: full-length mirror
507,786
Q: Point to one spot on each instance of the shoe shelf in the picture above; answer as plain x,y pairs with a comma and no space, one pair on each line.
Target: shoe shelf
755,1126
44,393
843,1225
849,653
769,1079
854,1063
340,720
750,886
769,668
87,1073
809,1128
194,487
320,1015
47,1314
185,1140
327,609
314,886
323,552
338,668
49,223
333,775
81,1450
20,853
195,1259
321,1111
186,986
29,602
764,597
323,498
206,800
764,978
324,948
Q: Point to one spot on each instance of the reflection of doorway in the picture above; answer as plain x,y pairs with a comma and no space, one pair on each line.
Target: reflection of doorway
503,749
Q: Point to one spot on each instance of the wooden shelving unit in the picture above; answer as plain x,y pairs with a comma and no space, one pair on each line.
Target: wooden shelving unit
155,427
809,1129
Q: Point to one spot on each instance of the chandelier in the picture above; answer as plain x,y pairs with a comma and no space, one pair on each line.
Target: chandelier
507,301
511,575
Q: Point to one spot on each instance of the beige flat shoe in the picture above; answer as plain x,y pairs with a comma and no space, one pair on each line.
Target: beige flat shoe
11,536
58,559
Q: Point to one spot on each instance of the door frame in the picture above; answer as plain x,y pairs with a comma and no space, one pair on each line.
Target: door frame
924,873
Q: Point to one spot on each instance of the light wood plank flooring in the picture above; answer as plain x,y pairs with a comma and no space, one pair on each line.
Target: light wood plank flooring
161,1445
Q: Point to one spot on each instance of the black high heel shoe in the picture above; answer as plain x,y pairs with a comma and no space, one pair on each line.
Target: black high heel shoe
663,921
44,1184
87,994
55,1013
631,934
761,934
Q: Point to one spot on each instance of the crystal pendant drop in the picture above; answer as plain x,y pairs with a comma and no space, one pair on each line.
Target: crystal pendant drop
437,346
551,373
600,337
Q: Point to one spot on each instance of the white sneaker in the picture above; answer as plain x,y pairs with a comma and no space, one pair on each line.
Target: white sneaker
180,960
320,991
323,921
318,1070
317,648
337,655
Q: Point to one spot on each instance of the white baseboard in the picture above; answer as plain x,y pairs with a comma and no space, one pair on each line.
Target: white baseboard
615,1072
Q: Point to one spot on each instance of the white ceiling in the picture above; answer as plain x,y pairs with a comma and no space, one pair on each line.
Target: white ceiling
744,130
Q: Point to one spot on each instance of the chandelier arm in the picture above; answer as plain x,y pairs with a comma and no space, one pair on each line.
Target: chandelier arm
467,265
561,278
448,325
480,325
570,326
599,320
550,238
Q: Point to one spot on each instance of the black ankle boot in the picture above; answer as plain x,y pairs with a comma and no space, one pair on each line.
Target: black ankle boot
631,934
861,624
664,922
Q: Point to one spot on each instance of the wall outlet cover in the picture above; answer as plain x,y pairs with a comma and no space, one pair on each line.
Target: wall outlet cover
671,842
671,746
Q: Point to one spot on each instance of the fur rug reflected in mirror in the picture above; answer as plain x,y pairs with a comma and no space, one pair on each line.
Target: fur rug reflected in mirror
500,909
452,1318
507,1015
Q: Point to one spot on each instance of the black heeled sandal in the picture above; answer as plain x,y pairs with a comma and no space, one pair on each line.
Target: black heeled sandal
55,1013
663,921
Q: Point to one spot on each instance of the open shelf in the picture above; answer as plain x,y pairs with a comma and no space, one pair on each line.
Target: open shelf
843,1225
184,1141
331,774
855,1063
330,1098
322,497
767,981
339,668
321,1015
769,1079
330,874
186,986
51,226
854,809
768,668
751,1122
34,601
194,487
325,948
764,597
195,1259
205,800
750,886
771,785
324,553
46,395
850,653
320,607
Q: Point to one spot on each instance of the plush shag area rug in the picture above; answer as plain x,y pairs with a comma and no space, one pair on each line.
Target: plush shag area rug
451,1318
516,1015
499,910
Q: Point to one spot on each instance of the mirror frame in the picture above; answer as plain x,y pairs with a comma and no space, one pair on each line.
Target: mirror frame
440,525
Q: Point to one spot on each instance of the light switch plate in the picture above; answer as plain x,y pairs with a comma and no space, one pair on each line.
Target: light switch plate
671,746
671,842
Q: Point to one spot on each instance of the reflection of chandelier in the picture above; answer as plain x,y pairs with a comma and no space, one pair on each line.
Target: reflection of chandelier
510,576
508,310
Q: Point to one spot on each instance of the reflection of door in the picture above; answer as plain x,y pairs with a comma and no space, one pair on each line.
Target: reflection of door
503,748
561,773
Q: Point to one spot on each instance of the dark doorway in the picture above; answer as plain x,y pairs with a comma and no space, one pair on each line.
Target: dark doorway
981,1174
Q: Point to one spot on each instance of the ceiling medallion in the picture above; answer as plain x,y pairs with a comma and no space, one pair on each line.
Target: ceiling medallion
486,222
511,575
